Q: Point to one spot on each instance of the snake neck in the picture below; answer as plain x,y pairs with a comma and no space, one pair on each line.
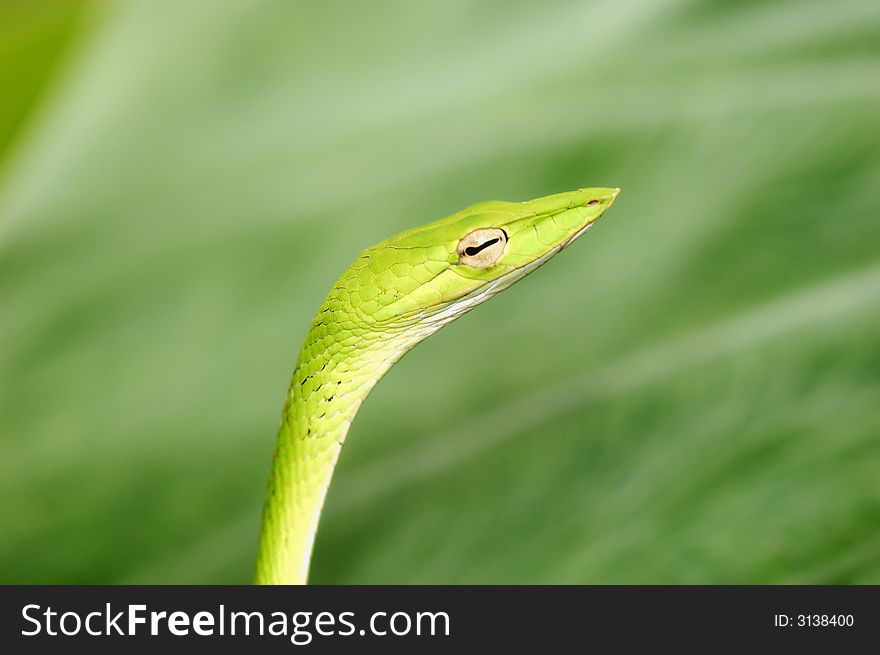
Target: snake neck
338,366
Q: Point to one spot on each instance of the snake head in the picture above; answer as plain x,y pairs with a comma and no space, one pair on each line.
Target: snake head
426,277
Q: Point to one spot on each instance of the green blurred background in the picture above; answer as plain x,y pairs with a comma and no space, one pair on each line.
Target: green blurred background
690,394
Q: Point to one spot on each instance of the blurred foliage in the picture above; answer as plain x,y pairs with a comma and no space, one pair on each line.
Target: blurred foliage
32,35
690,394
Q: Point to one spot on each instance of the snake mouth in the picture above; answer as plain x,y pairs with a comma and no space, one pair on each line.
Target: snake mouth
605,202
506,280
579,233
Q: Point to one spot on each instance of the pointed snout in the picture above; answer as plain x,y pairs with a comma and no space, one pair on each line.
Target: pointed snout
599,196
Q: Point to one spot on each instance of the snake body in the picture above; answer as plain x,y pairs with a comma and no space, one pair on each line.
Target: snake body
393,296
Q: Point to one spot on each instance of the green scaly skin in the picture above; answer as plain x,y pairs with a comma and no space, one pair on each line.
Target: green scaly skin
393,296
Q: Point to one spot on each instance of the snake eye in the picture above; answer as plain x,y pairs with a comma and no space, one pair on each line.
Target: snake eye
482,248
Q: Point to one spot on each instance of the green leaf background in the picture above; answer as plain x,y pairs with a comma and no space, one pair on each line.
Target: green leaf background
691,394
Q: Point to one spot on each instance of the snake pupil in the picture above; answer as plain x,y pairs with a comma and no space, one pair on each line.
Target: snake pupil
473,250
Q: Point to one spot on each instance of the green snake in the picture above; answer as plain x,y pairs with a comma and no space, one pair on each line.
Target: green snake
393,296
